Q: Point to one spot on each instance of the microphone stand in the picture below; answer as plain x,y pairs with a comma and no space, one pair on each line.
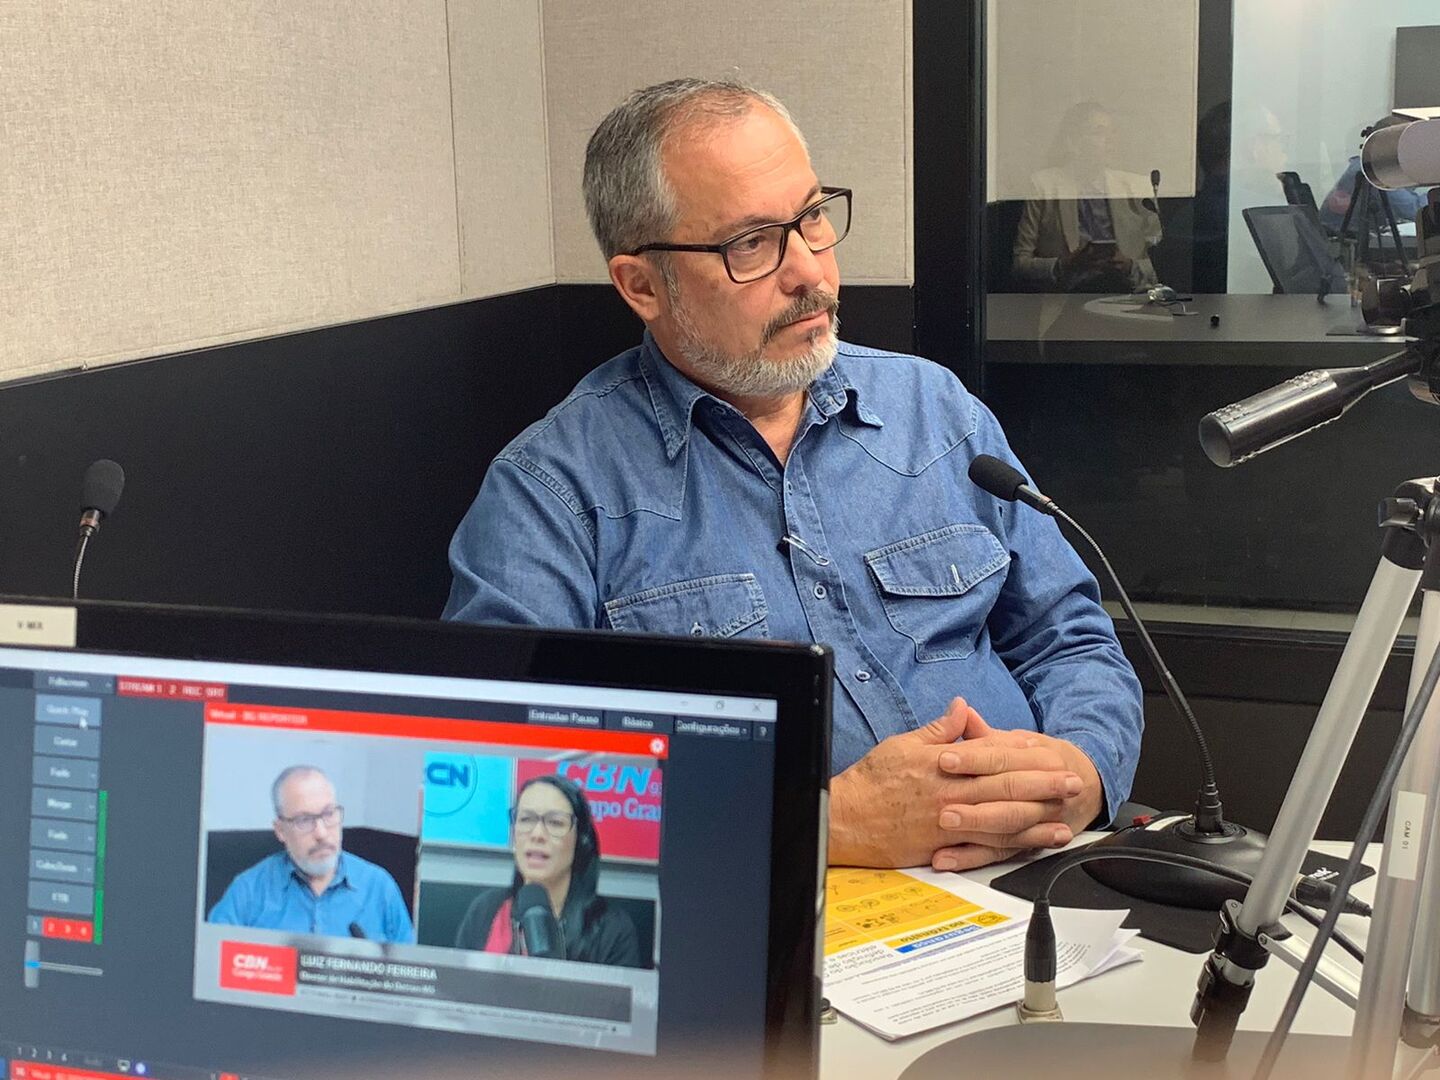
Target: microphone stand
1204,833
80,547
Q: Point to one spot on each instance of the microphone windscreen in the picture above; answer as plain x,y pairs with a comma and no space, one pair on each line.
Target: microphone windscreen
1154,178
104,481
997,477
529,897
357,931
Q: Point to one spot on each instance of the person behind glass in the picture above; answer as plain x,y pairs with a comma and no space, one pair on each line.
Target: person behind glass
555,845
1087,228
313,885
1405,203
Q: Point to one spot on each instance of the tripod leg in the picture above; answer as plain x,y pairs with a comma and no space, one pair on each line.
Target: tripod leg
1339,718
1423,1000
1380,1009
1354,198
1362,230
1394,230
1230,971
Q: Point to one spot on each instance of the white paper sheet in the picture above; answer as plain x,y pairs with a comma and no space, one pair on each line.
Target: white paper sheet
910,950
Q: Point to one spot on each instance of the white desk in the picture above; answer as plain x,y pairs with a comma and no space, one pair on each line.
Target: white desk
1156,991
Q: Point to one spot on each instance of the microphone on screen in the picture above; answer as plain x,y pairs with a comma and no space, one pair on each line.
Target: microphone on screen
99,495
538,927
358,931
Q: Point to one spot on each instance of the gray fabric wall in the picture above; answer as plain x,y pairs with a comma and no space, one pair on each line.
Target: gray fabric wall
175,175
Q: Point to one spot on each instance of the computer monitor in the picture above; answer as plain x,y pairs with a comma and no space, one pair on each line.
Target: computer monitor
1417,78
297,848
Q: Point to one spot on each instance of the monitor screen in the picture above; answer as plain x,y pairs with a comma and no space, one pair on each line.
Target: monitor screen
1417,77
223,869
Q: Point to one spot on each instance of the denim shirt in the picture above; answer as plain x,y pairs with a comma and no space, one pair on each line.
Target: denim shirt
643,503
273,895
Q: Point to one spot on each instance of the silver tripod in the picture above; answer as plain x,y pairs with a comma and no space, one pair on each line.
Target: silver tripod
1404,941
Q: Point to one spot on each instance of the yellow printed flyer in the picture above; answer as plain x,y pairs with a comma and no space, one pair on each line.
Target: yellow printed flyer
909,950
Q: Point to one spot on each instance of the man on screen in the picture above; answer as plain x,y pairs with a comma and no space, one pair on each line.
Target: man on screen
742,473
314,886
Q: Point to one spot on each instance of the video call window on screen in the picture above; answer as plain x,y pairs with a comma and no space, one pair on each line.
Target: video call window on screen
488,878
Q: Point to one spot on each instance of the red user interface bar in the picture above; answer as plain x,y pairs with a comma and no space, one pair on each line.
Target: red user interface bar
170,689
34,1070
437,729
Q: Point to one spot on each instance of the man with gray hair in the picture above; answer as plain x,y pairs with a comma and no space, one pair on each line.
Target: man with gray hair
743,473
314,886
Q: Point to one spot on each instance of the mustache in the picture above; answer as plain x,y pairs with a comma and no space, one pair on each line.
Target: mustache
811,303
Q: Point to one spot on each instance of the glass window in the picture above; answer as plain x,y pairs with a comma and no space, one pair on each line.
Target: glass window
1167,232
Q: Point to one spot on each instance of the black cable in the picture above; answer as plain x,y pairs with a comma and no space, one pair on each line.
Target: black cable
1368,824
1084,855
1209,817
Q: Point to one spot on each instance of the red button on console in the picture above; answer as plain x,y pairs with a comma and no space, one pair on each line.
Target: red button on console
68,929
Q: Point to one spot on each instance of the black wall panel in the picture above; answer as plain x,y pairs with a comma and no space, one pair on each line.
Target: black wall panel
322,471
1256,694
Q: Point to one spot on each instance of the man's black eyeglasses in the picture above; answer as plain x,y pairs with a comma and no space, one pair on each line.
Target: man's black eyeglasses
758,252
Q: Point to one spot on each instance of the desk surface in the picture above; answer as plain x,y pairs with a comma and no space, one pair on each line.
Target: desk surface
1156,991
1254,329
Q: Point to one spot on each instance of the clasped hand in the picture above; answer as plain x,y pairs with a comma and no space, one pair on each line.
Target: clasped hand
922,798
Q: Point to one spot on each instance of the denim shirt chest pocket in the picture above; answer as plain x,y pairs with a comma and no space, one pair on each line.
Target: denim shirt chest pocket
938,588
723,605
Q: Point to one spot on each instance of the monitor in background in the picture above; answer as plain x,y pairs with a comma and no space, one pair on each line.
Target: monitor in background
292,848
1417,75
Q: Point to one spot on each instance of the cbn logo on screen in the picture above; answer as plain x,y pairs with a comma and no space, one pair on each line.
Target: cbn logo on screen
448,774
451,781
601,778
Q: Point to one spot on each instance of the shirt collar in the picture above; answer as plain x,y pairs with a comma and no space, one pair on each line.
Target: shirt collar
341,878
673,396
834,389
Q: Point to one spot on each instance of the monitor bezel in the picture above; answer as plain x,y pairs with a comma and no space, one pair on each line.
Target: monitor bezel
798,677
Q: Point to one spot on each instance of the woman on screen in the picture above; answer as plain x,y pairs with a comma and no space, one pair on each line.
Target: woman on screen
556,847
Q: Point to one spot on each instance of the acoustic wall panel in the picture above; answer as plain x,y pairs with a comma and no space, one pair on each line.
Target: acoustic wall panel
840,66
501,167
179,174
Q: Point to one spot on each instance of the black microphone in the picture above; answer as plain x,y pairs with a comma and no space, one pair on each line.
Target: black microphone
1294,407
99,494
539,929
1203,834
1153,206
358,931
1004,481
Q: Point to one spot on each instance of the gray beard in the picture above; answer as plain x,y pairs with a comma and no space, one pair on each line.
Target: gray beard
752,374
317,868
